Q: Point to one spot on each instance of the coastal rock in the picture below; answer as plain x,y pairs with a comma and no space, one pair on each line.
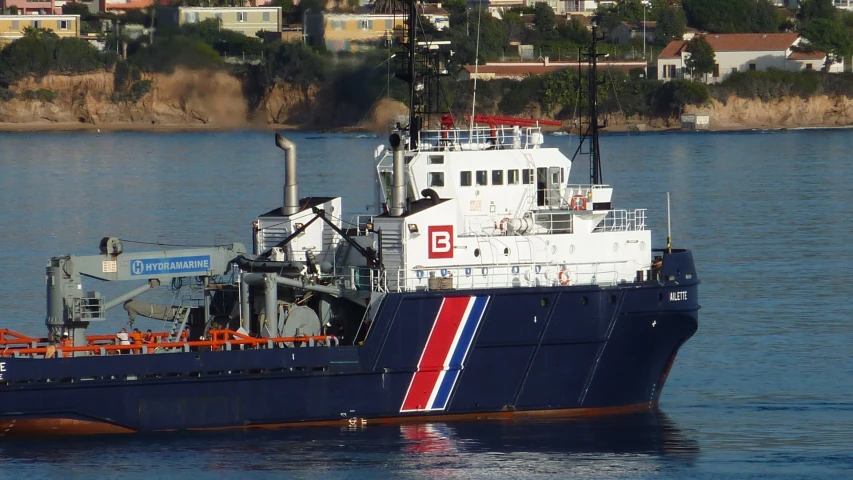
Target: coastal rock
786,112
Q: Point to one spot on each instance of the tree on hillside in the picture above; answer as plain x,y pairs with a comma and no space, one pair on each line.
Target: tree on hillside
702,57
671,23
514,26
815,9
492,36
544,19
74,8
731,16
830,36
764,17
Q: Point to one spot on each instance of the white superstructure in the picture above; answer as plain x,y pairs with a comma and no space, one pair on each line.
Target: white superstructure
502,215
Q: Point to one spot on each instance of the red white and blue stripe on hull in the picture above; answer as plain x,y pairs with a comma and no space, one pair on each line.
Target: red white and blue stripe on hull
444,353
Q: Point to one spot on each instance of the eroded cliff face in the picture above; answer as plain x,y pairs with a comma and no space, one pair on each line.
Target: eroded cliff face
217,99
181,98
788,112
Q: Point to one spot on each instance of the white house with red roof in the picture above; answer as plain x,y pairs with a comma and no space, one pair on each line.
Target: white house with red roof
741,52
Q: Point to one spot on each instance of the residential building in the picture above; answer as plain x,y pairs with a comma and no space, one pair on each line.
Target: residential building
843,4
626,32
31,7
520,70
740,52
246,20
439,17
586,7
121,6
351,32
12,26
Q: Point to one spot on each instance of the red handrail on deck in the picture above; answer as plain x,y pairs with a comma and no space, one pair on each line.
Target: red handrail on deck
218,340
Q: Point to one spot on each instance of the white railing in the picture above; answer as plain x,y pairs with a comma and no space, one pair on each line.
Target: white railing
492,276
481,138
362,223
623,221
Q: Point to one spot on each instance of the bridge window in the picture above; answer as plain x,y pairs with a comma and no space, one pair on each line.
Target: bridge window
497,177
512,177
482,177
465,179
527,176
436,160
436,179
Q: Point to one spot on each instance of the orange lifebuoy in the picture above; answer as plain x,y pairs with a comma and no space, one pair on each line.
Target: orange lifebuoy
504,222
578,202
563,277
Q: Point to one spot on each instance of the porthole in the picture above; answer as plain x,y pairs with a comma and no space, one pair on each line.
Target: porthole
506,251
544,301
571,249
553,249
642,246
613,299
584,301
660,297
615,247
476,252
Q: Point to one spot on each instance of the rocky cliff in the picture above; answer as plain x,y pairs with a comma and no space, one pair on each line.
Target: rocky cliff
214,99
787,112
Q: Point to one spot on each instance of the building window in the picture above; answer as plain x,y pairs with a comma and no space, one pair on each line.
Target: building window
753,67
389,24
808,66
366,25
241,16
716,70
465,179
63,24
734,69
482,177
436,160
15,25
218,17
671,71
436,179
663,72
266,17
36,23
497,177
512,177
527,176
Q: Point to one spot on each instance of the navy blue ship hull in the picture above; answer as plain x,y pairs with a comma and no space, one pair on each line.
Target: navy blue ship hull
583,349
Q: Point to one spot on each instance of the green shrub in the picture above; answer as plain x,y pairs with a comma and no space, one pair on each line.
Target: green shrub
672,96
6,94
769,84
42,94
517,95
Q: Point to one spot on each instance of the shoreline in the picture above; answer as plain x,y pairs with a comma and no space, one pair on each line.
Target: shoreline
77,127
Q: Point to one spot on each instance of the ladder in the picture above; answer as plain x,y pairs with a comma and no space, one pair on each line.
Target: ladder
179,321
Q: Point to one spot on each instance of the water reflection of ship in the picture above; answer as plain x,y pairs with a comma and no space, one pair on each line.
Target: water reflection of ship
652,433
647,439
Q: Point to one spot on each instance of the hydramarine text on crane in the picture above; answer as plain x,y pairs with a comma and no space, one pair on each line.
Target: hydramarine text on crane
163,266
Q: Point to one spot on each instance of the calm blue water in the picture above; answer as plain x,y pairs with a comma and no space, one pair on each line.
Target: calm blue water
763,389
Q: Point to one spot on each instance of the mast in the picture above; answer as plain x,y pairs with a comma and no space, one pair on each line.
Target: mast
595,156
422,64
591,132
413,118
